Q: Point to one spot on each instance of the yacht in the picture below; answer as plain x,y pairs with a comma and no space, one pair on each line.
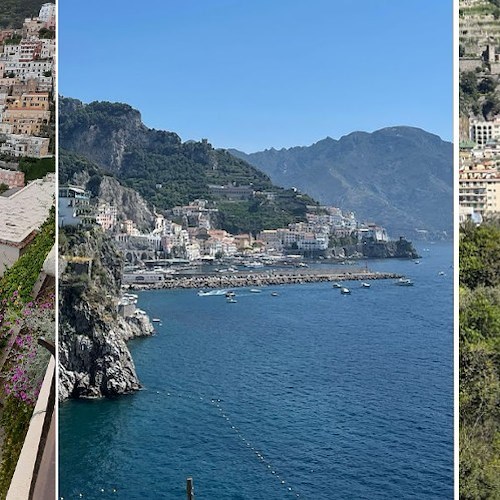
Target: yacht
404,282
345,291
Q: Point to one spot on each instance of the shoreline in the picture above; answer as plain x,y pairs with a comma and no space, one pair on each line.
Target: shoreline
262,279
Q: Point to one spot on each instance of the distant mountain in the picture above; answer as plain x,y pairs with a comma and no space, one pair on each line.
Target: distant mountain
166,171
399,177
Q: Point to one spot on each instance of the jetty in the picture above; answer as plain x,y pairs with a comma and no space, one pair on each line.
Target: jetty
263,278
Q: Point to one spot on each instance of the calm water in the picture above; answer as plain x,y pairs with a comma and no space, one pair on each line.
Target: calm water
310,394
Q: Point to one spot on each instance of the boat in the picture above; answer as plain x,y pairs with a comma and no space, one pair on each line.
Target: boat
337,285
230,294
416,261
345,291
274,294
404,282
156,320
365,285
230,300
255,290
441,273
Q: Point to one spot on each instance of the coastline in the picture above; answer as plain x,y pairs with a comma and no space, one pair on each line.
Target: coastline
281,277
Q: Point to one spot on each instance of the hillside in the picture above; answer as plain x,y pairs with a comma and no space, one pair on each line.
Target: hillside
400,177
168,172
13,12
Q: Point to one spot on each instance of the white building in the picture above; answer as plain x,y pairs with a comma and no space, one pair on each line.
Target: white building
482,131
73,205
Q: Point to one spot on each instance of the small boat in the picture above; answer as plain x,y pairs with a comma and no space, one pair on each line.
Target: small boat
274,294
441,273
230,294
230,300
404,282
337,285
345,291
365,285
156,320
416,261
255,290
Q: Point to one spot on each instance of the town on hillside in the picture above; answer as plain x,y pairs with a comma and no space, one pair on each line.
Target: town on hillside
188,235
27,182
479,161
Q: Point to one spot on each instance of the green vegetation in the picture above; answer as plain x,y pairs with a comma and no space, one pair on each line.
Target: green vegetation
166,171
480,361
17,283
36,168
478,95
13,40
14,12
16,418
22,276
47,34
3,187
260,213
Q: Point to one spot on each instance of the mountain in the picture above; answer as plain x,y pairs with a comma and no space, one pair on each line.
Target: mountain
399,177
168,172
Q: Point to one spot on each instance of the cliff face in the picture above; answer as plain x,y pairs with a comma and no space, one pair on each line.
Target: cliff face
78,170
94,360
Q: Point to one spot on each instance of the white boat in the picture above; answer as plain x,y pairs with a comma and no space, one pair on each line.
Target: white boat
230,294
404,282
365,285
156,320
416,261
274,294
345,291
230,300
441,273
337,285
255,290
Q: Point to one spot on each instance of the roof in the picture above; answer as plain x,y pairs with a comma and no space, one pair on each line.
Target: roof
26,210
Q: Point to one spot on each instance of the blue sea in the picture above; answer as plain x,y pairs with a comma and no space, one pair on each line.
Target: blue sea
309,394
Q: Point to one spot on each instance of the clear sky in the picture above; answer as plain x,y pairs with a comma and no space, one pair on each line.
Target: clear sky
255,74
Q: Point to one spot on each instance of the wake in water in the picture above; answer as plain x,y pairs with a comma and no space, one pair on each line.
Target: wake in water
211,293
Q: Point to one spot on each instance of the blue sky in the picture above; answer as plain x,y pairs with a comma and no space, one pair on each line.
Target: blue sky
255,74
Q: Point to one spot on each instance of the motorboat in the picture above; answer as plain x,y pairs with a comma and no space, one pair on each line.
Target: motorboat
274,294
337,285
365,285
156,320
255,290
231,300
230,294
404,282
345,291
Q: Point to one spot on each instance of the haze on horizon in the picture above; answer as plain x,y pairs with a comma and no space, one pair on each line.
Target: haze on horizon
260,75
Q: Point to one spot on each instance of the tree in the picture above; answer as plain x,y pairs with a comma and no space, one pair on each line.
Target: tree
3,187
487,85
468,83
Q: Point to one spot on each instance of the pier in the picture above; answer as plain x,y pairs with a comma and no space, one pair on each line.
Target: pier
262,278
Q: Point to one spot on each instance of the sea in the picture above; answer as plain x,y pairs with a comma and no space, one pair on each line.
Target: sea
306,394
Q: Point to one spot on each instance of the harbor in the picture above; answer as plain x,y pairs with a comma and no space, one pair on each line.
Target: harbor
255,278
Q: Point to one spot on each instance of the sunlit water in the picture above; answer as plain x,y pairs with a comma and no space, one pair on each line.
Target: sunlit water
310,394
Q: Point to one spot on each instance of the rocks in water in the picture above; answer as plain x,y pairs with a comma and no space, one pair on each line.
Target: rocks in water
94,360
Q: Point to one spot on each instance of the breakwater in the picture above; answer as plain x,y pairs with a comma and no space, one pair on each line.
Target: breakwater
282,277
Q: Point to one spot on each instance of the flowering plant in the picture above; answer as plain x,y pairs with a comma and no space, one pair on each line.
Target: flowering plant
22,327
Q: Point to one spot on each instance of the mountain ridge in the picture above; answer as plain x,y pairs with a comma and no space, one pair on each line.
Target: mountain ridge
372,173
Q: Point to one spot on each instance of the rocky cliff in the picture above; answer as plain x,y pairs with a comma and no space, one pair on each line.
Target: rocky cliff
78,170
94,360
